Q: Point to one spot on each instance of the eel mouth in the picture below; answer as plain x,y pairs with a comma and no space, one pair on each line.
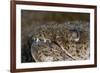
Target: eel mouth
50,45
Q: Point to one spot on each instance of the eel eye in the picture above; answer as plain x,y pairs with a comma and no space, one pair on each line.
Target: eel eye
74,34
